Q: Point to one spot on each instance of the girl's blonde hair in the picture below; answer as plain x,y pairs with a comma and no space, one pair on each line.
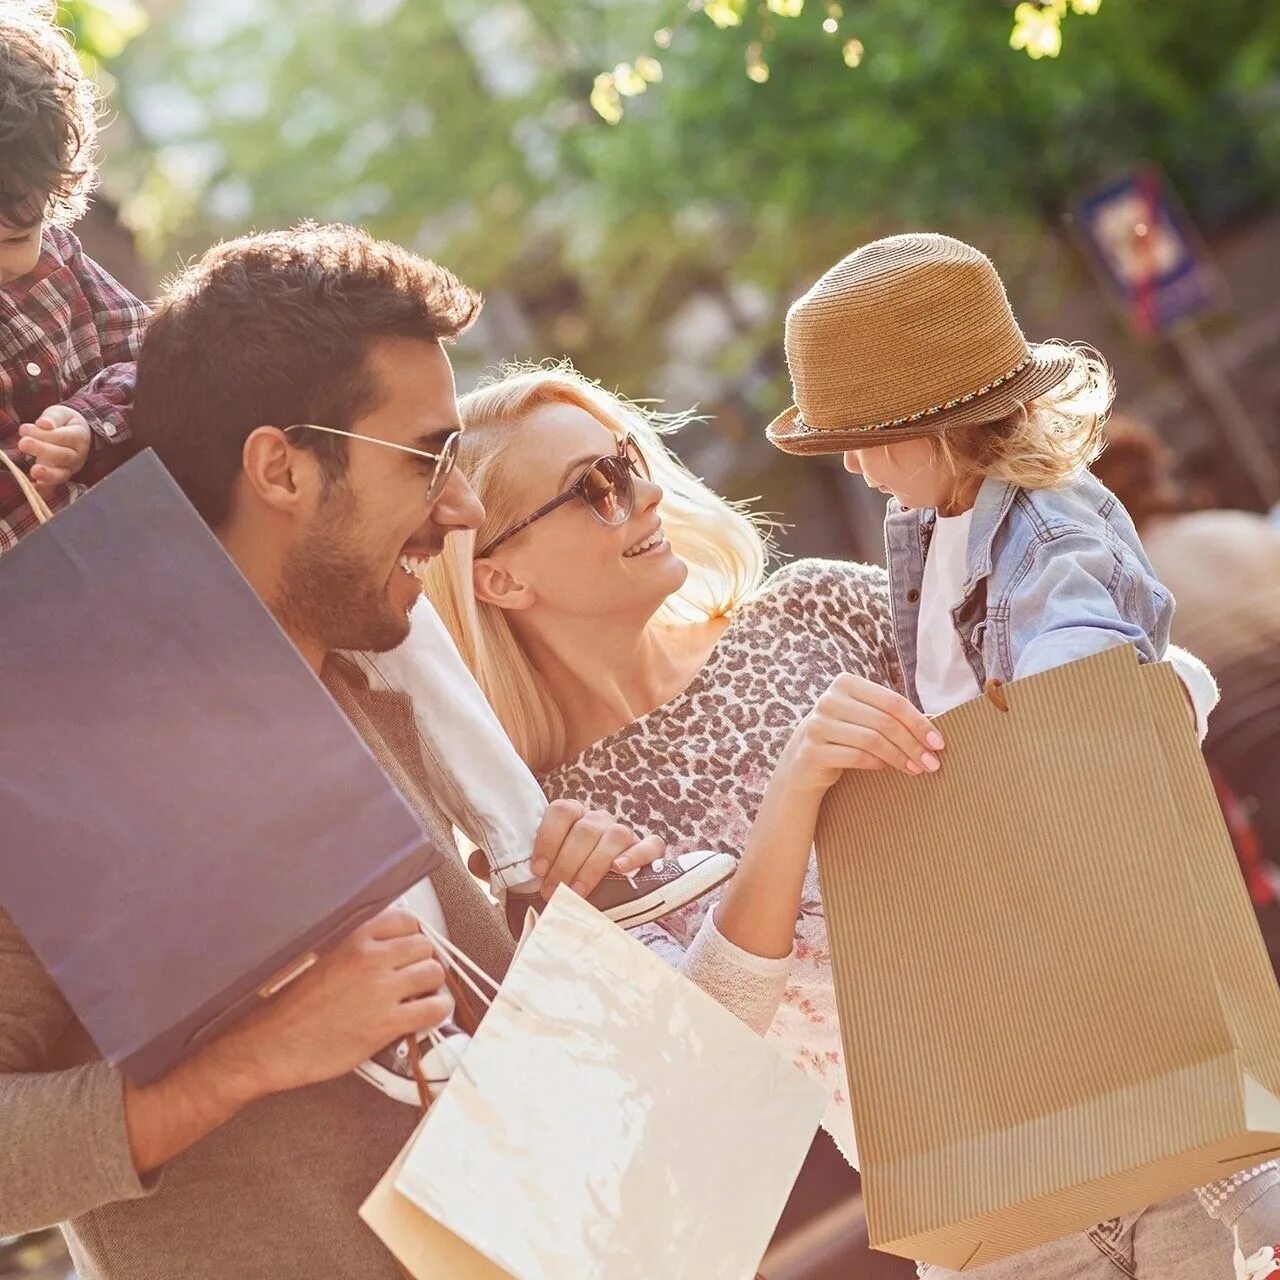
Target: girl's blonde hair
1046,443
723,544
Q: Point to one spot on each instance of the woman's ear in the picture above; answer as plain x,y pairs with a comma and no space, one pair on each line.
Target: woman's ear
495,584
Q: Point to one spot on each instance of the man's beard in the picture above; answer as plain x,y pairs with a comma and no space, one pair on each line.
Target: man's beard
332,594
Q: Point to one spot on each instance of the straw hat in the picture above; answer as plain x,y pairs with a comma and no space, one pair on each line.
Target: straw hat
906,337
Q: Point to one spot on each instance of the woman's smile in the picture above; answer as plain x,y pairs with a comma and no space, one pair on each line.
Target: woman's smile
652,541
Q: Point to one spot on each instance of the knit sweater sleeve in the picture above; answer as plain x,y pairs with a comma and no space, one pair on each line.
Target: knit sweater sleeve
749,986
64,1148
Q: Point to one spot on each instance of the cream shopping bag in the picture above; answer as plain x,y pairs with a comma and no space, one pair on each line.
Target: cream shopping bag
1055,1003
610,1120
425,1249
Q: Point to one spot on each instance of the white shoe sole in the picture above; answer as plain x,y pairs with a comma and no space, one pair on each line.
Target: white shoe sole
388,1082
694,884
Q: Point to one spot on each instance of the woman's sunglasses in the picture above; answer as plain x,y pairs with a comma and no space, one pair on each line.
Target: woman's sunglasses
606,488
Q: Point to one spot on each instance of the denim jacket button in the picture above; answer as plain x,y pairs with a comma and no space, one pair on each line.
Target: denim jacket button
913,596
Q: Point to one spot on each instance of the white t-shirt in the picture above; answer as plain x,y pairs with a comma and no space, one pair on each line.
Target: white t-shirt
944,678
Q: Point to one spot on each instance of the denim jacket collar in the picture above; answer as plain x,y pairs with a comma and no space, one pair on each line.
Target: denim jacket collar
908,533
990,509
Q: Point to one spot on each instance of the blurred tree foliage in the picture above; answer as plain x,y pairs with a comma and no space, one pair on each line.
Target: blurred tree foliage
101,28
464,127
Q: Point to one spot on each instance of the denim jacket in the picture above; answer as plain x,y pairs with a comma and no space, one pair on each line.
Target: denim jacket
476,776
1051,575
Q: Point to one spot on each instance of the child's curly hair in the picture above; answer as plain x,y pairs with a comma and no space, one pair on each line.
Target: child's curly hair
1047,442
48,119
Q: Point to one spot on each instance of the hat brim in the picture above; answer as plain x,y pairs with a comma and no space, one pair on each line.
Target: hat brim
1048,367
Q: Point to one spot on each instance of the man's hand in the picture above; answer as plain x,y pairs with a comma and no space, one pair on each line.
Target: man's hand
578,846
379,985
59,441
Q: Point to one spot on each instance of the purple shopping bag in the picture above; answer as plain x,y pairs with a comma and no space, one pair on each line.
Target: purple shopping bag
186,817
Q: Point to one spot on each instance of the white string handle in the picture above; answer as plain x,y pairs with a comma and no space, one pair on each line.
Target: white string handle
453,957
35,501
456,960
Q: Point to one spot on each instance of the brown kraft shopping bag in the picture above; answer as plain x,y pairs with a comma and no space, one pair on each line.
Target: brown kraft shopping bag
1055,1003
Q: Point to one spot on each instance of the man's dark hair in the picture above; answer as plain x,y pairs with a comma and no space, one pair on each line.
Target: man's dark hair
274,329
48,119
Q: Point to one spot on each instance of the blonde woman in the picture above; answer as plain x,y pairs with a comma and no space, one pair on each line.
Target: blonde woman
635,651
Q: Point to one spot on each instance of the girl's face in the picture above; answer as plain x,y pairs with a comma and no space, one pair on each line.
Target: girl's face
909,470
569,562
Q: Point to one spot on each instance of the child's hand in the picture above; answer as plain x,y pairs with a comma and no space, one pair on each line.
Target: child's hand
858,724
59,442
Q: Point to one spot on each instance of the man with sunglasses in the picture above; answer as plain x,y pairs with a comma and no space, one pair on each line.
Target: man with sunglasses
251,1157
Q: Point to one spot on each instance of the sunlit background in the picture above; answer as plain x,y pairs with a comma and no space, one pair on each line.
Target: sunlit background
644,187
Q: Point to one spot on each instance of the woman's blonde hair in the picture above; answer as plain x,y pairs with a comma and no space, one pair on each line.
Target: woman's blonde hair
723,544
1045,443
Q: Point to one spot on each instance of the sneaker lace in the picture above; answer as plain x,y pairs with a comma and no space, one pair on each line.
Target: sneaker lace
657,865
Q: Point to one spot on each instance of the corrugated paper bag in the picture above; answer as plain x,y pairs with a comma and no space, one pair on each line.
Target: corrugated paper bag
608,1120
1055,1003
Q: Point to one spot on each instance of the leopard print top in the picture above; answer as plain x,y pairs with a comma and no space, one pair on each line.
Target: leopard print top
694,770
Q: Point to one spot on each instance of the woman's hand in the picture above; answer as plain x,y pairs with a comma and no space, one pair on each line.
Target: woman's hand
578,846
857,724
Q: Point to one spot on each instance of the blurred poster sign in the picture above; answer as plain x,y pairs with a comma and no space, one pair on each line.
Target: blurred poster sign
1148,252
1158,272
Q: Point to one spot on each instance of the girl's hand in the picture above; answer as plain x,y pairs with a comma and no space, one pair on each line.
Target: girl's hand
59,442
857,724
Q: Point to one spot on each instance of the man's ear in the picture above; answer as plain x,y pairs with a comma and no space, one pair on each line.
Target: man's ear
276,473
495,584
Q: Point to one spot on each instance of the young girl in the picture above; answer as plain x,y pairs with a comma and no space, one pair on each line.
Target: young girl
1005,556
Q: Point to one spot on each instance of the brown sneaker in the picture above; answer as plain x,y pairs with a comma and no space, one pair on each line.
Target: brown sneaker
648,894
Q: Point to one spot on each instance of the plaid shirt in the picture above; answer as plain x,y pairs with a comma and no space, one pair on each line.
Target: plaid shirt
69,334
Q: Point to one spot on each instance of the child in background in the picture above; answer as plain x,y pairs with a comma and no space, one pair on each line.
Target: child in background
1005,557
69,334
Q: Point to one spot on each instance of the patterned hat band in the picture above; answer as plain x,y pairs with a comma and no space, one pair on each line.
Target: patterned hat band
801,427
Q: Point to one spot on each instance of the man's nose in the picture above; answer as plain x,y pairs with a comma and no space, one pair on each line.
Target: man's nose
851,463
458,507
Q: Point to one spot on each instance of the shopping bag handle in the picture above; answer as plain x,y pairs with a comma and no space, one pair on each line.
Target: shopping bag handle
994,689
461,1001
456,960
34,500
461,972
